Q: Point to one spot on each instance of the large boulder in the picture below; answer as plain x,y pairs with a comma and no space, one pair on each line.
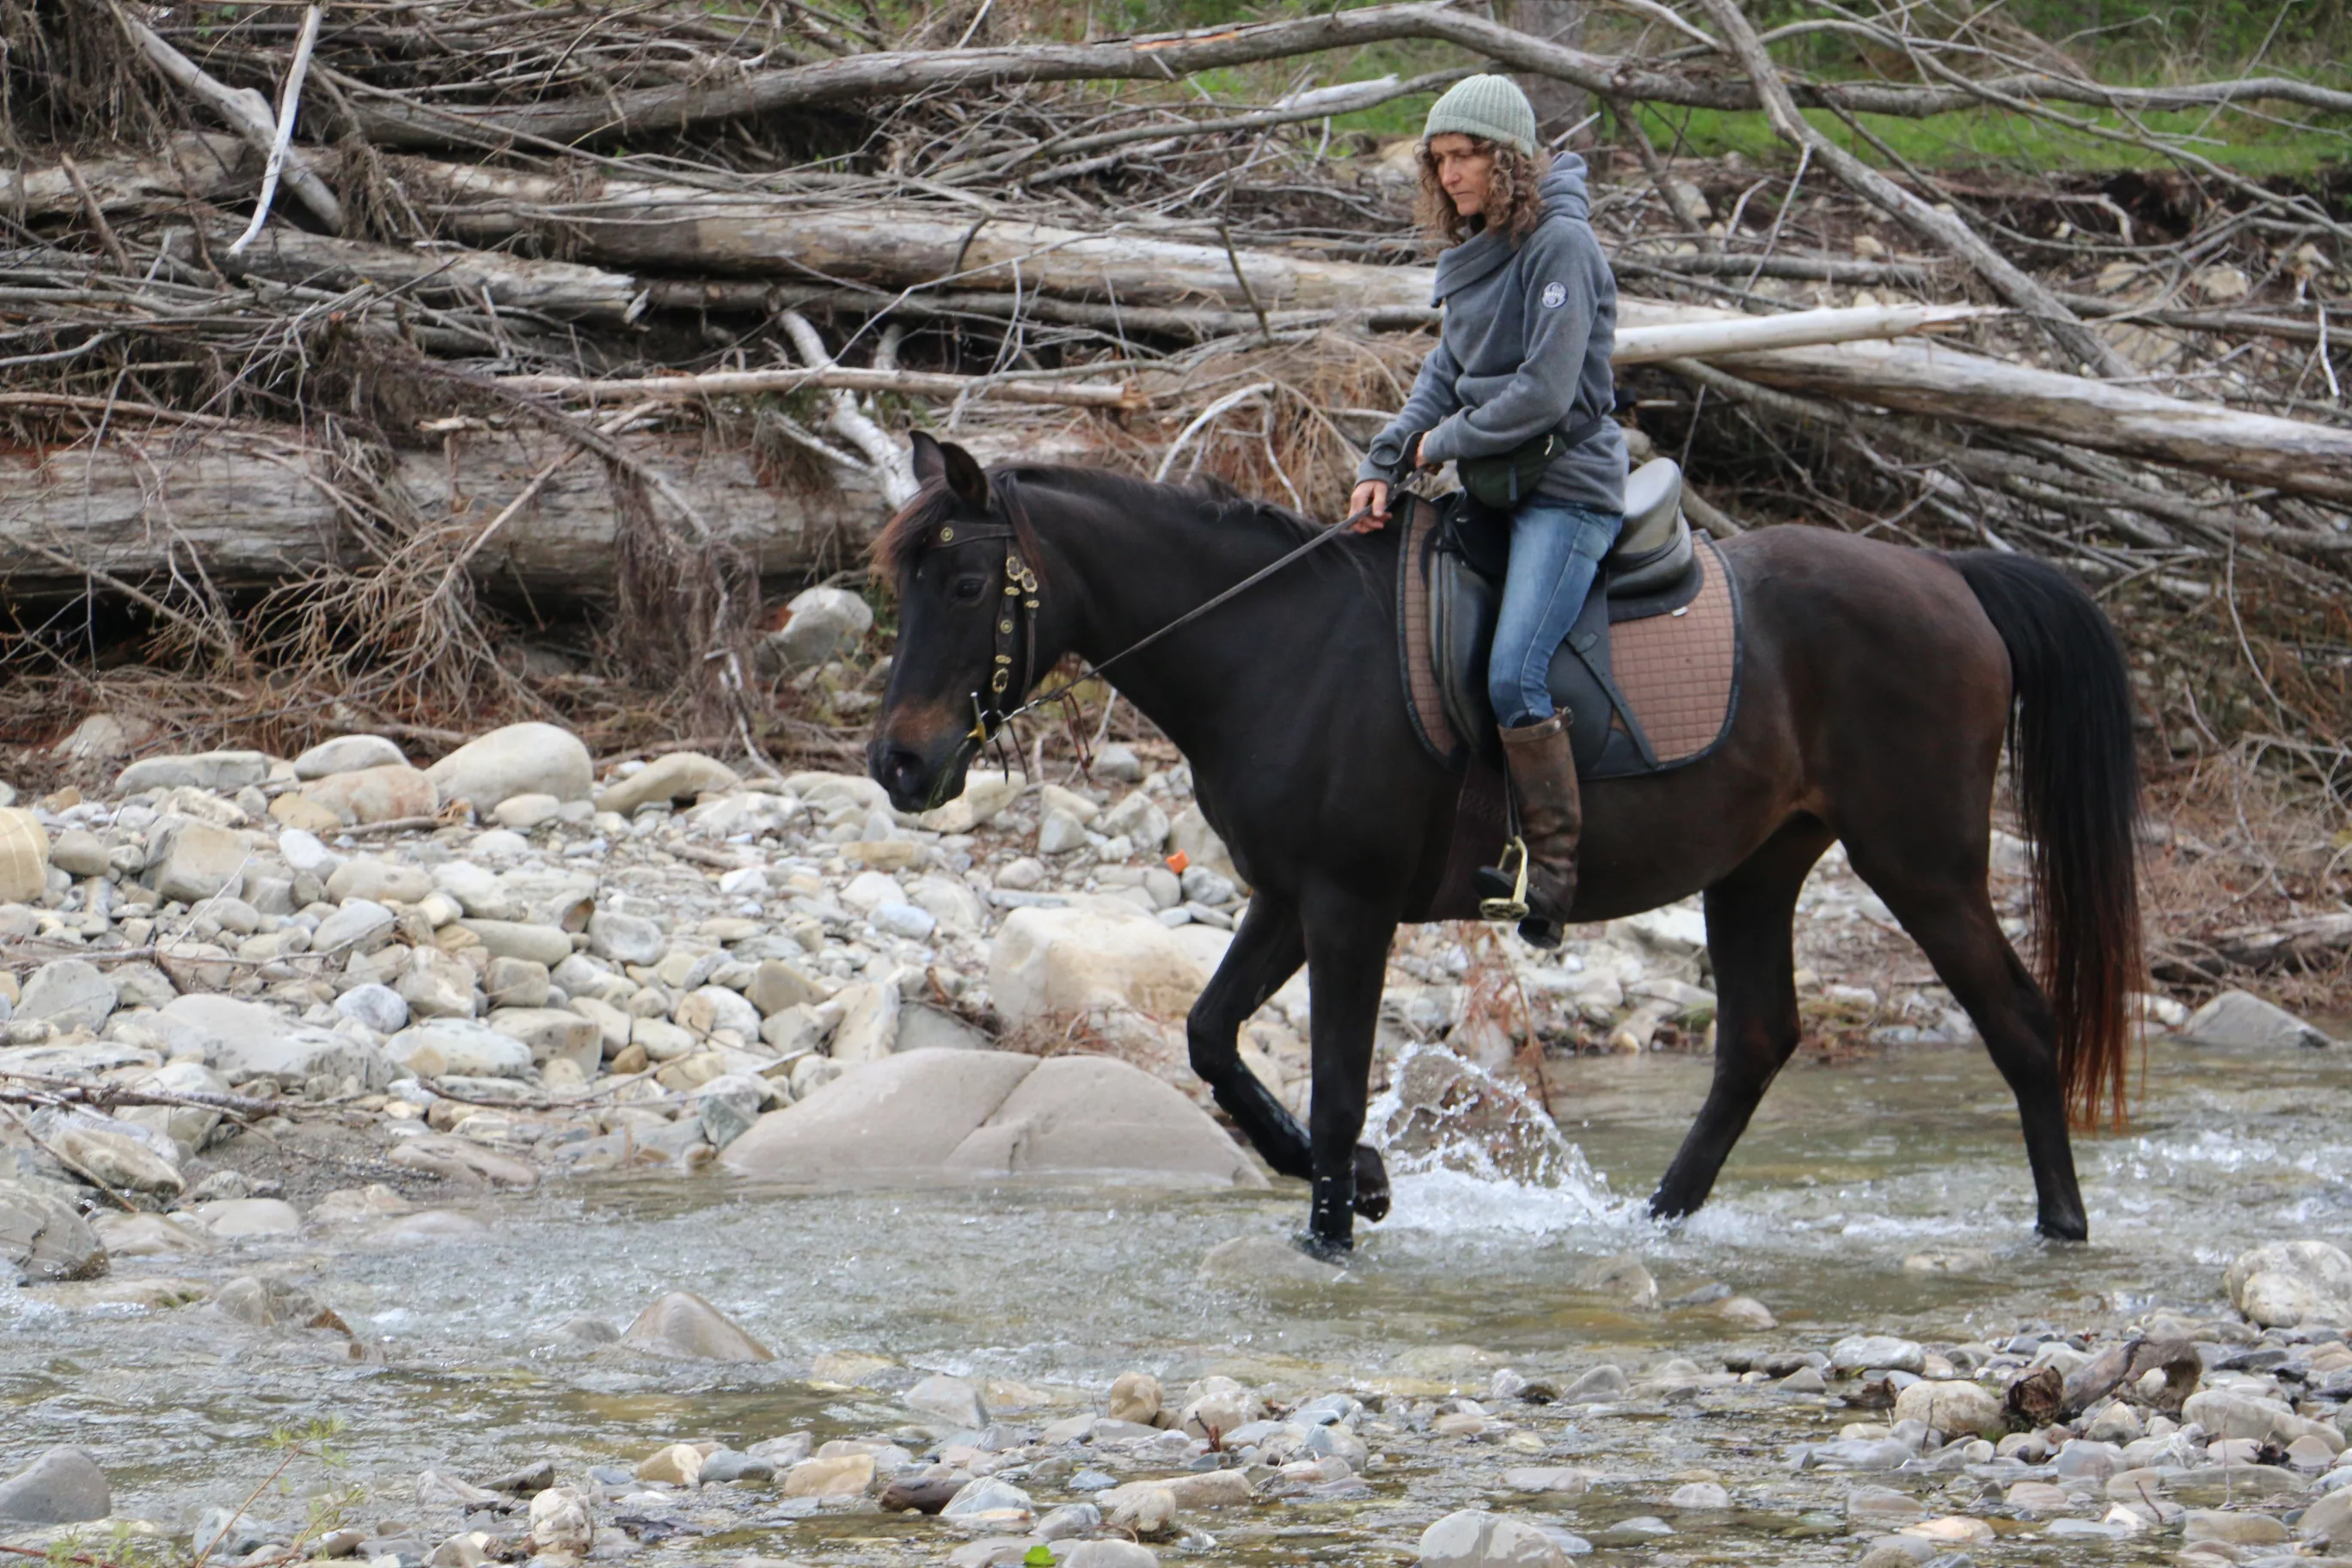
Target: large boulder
1049,964
247,1040
64,1485
984,1113
43,1236
2242,1018
521,758
2285,1283
71,993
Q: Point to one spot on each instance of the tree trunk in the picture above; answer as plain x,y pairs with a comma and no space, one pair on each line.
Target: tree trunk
1558,104
249,509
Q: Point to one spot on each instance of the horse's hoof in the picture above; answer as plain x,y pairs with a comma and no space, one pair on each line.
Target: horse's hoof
2064,1227
1540,931
1336,1251
1371,1184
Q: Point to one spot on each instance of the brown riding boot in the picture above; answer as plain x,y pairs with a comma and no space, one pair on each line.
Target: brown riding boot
1551,813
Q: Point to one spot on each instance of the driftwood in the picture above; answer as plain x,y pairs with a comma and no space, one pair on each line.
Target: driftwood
254,509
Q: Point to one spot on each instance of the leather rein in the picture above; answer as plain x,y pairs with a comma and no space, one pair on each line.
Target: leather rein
1016,623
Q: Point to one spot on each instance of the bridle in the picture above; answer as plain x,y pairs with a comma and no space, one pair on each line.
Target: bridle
1016,623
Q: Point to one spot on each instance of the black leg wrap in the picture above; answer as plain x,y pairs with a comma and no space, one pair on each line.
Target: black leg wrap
1332,1223
1371,1184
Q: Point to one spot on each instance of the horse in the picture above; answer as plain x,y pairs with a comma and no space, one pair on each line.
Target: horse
1878,686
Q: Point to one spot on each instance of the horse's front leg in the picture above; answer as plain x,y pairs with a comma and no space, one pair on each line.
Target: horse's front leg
1346,964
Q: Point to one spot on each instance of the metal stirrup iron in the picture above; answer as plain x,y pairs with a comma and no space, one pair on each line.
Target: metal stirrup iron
1514,908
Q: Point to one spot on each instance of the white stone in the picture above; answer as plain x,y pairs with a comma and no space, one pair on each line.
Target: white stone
1095,953
680,775
378,1006
458,1048
71,993
348,754
246,1040
195,859
952,904
1138,819
436,984
219,771
869,1023
710,1008
626,939
821,624
552,1033
2285,1283
1475,1539
522,813
361,925
1060,833
905,921
520,758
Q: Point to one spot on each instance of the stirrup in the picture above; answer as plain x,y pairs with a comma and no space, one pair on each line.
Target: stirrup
1514,908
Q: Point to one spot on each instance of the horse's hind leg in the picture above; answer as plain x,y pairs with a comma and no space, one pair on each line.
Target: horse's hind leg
1750,918
1951,918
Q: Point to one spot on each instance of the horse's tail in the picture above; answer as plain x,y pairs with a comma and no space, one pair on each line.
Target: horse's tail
2077,777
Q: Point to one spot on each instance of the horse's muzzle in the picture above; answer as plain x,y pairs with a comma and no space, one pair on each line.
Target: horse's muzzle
919,771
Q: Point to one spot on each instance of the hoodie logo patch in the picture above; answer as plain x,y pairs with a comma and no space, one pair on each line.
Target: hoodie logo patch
1555,295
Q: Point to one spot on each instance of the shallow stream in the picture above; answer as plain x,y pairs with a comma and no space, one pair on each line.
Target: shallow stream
1850,1171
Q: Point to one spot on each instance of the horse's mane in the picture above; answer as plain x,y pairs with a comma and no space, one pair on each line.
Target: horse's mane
902,538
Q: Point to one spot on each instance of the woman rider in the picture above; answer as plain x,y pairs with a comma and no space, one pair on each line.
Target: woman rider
1520,379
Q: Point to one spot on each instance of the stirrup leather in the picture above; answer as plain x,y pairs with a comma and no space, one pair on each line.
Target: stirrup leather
1515,908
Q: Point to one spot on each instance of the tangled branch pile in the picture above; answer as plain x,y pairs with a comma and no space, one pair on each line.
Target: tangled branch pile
583,327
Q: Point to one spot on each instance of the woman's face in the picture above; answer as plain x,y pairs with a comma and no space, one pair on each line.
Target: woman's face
1465,169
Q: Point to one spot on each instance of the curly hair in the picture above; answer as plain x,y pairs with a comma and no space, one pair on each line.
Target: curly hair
1511,191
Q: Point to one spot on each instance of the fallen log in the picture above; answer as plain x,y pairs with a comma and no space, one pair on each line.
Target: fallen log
748,382
194,167
906,247
256,508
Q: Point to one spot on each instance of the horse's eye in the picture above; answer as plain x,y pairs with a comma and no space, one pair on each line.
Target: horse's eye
968,589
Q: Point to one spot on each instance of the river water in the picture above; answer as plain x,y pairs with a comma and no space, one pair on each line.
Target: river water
1849,1170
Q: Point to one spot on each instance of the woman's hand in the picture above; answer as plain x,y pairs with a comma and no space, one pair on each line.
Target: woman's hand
1371,497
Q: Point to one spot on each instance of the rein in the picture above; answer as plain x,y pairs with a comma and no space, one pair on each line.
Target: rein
1017,622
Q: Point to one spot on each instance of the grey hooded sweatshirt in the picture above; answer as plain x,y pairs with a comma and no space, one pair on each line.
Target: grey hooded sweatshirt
1523,350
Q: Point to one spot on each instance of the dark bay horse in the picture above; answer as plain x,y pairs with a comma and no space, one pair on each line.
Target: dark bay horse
1879,683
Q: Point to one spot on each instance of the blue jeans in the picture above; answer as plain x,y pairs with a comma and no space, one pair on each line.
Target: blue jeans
1556,550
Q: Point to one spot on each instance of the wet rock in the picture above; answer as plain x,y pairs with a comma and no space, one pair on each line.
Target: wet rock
2242,1018
1135,1396
191,860
69,993
1141,1508
1622,1279
1882,1506
147,1236
64,1485
2227,1415
989,1503
2237,1529
269,1303
1096,952
220,771
680,1465
728,1107
1562,1480
1953,1406
977,1114
683,1325
1475,1539
520,758
1441,1111
951,1399
348,754
2286,1283
119,1159
43,1237
1856,1352
1106,1553
562,1524
375,795
678,776
1266,1262
844,1475
1699,1497
1599,1385
457,1047
588,1331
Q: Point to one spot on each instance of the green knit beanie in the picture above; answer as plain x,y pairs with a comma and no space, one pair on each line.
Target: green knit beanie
1491,107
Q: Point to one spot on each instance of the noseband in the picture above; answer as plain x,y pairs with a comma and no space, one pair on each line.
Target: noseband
1016,623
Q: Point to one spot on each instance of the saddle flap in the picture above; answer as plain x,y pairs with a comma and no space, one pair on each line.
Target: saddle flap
1654,505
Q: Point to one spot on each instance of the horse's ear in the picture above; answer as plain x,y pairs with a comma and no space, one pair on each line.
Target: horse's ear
944,460
928,462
